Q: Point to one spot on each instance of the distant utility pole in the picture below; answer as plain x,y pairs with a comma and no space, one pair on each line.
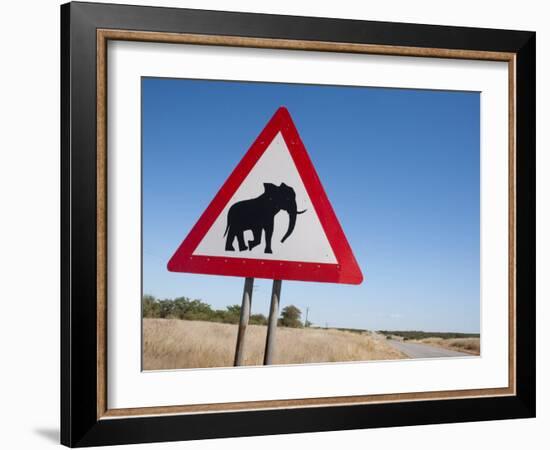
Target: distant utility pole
307,313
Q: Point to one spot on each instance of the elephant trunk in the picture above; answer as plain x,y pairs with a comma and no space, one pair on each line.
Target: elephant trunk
292,213
291,224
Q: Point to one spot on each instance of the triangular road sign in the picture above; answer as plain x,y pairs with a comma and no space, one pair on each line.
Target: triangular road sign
242,233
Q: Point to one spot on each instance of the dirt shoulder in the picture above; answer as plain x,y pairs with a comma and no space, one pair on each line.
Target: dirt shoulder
466,345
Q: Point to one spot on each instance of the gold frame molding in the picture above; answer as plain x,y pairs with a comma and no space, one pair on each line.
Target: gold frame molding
104,35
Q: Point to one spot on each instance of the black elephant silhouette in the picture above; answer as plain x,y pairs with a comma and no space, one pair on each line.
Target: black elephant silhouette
258,214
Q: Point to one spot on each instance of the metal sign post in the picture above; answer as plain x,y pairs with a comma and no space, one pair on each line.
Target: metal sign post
243,322
272,325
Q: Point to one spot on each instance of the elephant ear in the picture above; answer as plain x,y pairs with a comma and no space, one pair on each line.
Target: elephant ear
286,188
270,188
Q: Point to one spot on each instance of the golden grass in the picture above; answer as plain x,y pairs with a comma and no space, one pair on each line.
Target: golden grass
178,344
467,345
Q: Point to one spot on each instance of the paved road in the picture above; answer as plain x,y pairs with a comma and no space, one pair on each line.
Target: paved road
424,350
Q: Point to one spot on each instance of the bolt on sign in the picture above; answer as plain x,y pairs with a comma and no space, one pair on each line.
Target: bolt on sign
271,218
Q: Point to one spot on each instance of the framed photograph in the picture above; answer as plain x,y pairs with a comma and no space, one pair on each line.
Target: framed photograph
276,224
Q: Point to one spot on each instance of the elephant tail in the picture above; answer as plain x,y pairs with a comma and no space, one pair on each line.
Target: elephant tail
226,229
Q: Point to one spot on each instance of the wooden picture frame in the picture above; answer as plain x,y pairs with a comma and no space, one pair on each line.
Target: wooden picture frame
86,418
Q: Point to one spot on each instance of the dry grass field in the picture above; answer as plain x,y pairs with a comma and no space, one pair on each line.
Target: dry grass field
467,345
178,344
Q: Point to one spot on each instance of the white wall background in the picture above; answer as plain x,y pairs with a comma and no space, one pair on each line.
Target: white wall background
29,229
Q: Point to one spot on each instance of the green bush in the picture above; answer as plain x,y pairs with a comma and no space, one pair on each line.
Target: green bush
426,334
150,307
185,308
290,317
258,319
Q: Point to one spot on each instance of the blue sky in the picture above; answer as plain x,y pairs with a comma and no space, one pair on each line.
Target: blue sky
400,167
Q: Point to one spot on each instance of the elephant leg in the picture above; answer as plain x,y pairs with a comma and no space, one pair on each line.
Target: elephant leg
268,236
240,240
229,241
257,233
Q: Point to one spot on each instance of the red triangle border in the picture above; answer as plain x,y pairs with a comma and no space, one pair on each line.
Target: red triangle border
346,271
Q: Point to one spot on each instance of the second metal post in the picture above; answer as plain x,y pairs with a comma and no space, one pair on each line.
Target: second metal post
272,325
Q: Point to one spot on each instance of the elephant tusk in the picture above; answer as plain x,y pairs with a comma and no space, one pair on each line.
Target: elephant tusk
301,212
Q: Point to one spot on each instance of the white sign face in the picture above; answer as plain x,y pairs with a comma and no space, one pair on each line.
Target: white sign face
307,242
270,219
